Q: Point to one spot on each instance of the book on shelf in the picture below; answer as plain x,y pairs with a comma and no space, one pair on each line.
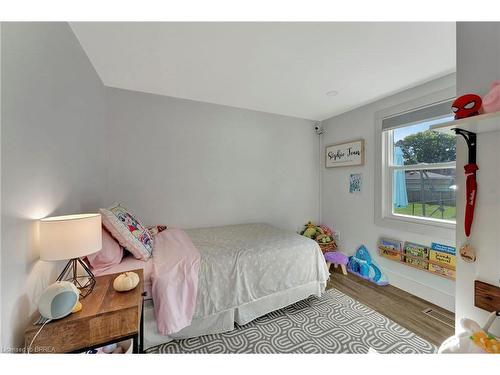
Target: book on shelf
390,249
418,255
439,270
444,260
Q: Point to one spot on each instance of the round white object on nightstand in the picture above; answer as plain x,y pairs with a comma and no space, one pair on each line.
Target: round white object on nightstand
58,300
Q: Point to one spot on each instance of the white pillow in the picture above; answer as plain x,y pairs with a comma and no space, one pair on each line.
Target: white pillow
128,231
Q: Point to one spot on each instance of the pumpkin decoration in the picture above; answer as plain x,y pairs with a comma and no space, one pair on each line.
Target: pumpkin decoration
126,281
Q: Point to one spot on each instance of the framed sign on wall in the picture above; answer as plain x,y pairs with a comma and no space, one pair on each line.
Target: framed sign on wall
345,154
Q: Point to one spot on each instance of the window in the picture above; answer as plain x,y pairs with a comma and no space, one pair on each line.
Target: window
419,167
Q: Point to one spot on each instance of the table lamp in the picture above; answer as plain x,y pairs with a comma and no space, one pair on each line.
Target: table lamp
72,237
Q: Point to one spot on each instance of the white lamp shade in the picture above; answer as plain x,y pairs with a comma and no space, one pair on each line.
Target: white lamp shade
71,236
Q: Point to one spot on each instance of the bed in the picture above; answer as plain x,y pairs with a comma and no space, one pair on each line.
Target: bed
245,271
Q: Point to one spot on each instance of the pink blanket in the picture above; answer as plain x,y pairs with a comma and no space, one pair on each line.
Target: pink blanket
176,263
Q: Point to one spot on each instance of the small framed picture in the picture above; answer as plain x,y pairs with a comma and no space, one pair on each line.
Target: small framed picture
345,154
355,181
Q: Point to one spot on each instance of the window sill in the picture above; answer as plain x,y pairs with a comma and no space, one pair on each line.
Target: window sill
423,221
430,227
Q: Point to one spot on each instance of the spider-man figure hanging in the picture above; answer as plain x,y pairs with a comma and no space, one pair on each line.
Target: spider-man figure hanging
466,106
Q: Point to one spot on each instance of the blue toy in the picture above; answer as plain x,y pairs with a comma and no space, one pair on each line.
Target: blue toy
361,264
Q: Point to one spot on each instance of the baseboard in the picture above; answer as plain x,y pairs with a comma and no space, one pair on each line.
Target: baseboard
424,291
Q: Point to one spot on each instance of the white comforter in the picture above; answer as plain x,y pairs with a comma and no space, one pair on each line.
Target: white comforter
243,263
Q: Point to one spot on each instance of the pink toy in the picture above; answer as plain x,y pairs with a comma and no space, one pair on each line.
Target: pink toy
491,102
326,230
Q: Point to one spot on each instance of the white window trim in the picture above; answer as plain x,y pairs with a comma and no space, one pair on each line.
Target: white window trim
383,208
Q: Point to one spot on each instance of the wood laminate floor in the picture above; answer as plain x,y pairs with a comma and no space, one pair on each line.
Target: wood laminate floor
396,304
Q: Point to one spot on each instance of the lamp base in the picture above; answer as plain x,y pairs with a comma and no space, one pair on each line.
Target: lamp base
85,283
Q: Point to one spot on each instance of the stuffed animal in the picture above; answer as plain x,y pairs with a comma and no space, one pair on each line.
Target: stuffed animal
326,230
310,230
320,233
486,342
491,101
323,238
473,339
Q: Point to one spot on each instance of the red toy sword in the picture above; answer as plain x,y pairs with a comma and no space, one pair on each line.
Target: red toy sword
470,182
471,191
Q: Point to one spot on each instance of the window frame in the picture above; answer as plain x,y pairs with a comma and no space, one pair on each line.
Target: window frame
387,188
383,215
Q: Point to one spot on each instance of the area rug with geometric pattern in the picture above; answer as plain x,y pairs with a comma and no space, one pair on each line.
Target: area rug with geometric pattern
334,323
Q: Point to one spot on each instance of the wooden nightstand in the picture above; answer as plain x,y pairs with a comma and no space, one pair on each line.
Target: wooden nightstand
107,316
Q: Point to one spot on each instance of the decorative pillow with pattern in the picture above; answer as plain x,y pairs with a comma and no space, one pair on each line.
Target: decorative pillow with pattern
128,231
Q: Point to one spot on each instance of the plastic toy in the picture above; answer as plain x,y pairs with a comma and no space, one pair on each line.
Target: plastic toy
470,178
466,106
491,101
361,264
474,339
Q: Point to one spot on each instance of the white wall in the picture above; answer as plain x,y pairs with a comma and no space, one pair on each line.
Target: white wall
353,214
191,164
478,64
1,295
52,154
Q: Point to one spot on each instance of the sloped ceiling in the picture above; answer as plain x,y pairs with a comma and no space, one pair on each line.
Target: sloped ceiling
283,68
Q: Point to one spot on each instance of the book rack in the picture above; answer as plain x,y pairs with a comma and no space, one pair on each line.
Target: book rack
400,257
